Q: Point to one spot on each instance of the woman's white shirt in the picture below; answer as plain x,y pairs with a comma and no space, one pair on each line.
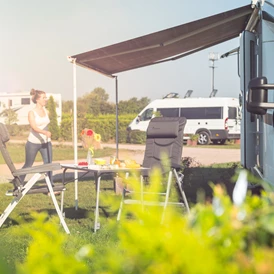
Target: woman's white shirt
41,123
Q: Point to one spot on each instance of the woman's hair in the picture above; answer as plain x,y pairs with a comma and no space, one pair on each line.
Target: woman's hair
35,93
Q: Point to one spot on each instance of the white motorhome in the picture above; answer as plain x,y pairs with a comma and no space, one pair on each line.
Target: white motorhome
257,85
215,119
21,103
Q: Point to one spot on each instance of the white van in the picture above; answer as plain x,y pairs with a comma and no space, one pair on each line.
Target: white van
215,119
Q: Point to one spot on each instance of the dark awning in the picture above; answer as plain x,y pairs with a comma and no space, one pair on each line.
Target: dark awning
165,45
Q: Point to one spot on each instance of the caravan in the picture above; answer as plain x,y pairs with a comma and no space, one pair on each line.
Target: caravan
257,85
215,119
21,103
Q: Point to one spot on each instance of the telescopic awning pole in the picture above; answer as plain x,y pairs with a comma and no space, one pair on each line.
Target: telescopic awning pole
75,135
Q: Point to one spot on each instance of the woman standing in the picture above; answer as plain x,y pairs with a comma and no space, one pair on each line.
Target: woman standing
39,139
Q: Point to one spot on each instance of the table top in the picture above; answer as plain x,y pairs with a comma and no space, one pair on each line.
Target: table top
101,168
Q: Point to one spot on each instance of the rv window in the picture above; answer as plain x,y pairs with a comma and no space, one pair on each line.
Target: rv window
232,113
25,101
147,115
202,113
169,112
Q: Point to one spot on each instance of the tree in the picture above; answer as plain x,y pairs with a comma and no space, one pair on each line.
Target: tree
11,116
96,102
133,105
53,126
67,106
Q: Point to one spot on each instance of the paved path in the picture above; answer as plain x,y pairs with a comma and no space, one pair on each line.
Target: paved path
205,156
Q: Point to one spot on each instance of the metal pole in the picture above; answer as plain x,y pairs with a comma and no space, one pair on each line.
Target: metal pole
75,135
75,139
117,124
212,77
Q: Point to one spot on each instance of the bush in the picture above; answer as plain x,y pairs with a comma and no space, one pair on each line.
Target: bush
14,130
136,137
214,238
105,125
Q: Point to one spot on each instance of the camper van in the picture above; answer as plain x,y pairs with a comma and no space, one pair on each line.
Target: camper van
215,119
257,85
21,103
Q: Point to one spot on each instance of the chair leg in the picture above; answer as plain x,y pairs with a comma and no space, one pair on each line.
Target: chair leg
179,183
59,212
121,205
16,200
167,195
62,203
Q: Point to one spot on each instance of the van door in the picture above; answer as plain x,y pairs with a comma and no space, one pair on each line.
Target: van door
142,120
248,70
233,122
266,123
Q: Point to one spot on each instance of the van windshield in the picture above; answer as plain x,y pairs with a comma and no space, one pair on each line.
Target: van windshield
146,115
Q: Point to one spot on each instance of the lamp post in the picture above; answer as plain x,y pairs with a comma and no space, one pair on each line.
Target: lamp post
213,56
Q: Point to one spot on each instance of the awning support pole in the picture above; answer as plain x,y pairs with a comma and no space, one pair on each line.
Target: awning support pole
117,122
75,135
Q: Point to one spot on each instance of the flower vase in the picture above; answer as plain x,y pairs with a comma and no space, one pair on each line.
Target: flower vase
89,158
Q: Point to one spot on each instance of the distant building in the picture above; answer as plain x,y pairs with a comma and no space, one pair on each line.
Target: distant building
21,103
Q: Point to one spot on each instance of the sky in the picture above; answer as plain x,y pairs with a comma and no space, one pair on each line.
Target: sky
38,36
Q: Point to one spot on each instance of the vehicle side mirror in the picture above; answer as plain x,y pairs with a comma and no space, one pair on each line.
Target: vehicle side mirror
257,96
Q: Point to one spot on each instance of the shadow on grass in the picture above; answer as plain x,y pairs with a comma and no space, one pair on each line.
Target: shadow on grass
198,180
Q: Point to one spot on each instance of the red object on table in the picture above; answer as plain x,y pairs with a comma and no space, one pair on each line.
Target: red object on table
83,163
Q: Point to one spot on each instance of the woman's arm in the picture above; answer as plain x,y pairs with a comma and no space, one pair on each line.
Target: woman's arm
34,126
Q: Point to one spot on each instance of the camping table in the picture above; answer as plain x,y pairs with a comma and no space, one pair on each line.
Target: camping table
98,172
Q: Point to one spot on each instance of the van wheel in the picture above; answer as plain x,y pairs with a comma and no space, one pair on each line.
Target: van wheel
204,138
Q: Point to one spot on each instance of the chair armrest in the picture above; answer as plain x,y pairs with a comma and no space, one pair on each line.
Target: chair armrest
37,169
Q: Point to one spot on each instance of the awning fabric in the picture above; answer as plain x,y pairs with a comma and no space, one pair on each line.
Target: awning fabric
165,45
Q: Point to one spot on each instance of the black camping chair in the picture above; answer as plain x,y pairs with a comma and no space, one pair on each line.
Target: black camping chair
164,137
20,189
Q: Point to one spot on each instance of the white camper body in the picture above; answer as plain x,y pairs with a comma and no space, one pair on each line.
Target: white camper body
215,119
21,103
257,85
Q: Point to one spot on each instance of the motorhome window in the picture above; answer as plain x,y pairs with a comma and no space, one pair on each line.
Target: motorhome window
169,112
202,113
25,101
232,113
147,114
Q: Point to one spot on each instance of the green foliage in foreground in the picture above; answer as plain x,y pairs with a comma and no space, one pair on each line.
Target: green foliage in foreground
214,238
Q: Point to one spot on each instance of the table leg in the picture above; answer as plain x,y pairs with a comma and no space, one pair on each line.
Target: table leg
96,221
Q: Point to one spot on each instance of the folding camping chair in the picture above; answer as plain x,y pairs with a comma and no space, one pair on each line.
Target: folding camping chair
164,136
20,189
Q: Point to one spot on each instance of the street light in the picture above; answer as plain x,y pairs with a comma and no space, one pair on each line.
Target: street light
213,56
